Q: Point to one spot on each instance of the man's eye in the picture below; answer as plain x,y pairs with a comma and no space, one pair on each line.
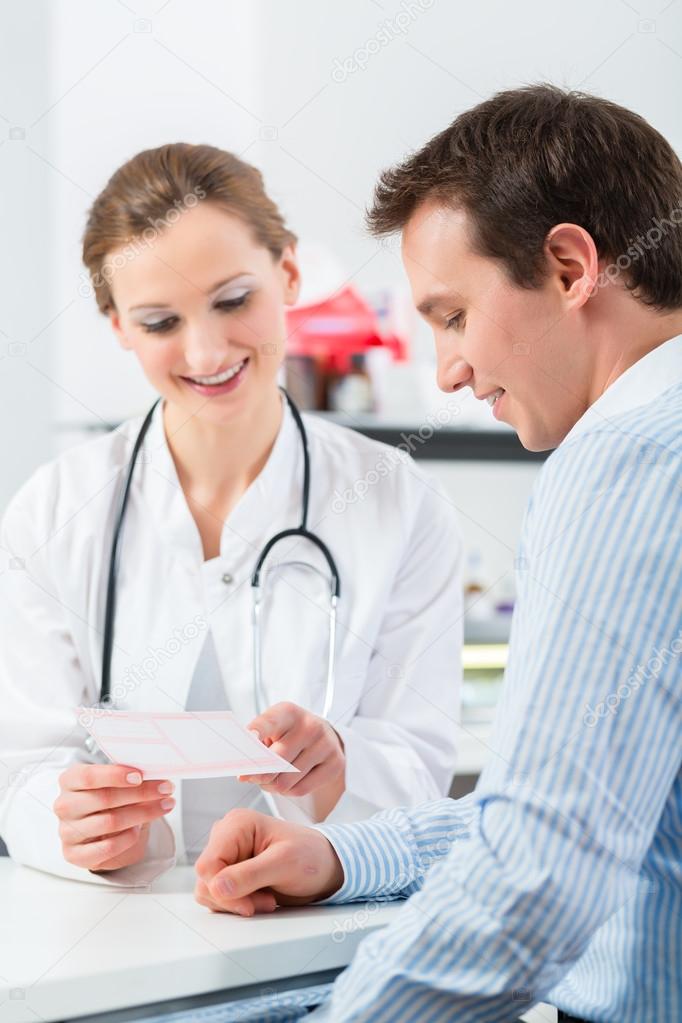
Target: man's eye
160,326
233,303
455,322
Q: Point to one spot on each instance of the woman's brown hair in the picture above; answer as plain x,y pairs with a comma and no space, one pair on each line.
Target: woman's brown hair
530,158
154,188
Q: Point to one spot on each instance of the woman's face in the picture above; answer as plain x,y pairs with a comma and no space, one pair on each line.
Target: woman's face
202,306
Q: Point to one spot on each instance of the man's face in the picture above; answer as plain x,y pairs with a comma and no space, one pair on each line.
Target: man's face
522,346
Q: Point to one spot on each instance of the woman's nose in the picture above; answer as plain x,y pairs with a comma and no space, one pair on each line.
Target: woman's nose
205,348
454,375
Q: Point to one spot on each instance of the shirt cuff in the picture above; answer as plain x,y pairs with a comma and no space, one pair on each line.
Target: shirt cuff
376,860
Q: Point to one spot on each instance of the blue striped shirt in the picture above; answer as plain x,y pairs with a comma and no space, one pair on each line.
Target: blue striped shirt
560,878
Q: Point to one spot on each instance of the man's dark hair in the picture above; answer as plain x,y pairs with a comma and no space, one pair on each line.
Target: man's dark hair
530,158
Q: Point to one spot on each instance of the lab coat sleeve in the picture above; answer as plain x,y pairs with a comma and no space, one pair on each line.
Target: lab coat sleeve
41,682
401,743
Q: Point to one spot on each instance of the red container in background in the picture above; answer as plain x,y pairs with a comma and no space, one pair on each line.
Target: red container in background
328,340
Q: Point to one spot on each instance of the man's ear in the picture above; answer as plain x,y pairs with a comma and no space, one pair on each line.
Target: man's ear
573,262
291,274
115,321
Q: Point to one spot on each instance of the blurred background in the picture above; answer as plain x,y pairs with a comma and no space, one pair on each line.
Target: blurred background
320,96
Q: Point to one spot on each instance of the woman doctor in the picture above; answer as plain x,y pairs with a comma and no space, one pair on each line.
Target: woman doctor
193,265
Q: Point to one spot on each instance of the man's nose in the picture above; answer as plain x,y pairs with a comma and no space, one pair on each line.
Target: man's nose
454,375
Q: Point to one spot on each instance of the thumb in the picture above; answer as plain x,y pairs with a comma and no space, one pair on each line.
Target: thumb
266,870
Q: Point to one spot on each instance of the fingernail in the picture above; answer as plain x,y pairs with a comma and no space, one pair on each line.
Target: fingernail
254,731
224,887
134,778
166,804
166,787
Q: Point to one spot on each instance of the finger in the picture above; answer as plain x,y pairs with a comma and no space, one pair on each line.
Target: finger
258,779
305,763
242,907
110,822
249,876
276,720
98,776
264,902
231,839
93,854
291,749
133,854
258,902
75,805
315,779
291,745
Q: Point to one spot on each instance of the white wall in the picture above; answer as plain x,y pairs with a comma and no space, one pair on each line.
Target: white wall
26,251
258,78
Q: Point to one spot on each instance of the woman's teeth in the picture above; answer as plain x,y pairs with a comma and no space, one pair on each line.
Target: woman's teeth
492,398
219,378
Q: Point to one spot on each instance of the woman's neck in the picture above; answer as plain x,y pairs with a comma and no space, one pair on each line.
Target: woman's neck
216,463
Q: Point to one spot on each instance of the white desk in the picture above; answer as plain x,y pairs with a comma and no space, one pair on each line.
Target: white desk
70,949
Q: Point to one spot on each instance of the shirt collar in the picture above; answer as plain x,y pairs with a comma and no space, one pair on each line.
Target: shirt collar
639,385
272,500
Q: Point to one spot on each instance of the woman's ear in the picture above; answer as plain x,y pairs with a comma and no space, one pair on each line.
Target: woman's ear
115,321
573,261
291,275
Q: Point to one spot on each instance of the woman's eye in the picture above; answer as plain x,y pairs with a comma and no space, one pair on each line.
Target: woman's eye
232,303
163,326
160,326
455,322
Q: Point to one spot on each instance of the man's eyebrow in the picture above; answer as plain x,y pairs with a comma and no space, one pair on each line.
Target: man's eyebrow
211,291
431,302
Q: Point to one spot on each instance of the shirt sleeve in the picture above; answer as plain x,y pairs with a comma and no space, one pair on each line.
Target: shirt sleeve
389,855
565,812
42,681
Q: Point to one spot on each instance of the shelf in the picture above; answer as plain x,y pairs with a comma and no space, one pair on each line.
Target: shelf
443,444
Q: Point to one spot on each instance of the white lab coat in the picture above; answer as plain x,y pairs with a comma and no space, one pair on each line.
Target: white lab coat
397,546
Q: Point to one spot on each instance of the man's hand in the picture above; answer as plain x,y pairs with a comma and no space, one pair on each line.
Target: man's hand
306,741
254,863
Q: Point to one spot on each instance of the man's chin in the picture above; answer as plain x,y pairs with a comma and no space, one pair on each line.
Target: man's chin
535,440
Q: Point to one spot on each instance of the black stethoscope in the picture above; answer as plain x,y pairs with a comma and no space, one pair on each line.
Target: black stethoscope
301,531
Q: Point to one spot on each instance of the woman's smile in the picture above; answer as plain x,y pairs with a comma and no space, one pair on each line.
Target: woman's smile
218,383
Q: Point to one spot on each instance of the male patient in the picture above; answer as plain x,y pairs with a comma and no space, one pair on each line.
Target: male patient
542,237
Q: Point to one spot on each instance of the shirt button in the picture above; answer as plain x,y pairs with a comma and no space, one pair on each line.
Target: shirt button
227,578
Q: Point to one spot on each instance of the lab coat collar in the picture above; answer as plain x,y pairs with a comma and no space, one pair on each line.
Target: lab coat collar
640,384
271,501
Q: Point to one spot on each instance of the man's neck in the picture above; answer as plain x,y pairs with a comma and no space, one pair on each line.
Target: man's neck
627,341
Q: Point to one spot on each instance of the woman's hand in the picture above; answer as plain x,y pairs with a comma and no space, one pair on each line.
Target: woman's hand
254,863
306,741
104,813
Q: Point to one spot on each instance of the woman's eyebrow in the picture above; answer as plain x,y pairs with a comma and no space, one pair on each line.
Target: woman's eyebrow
153,306
228,280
